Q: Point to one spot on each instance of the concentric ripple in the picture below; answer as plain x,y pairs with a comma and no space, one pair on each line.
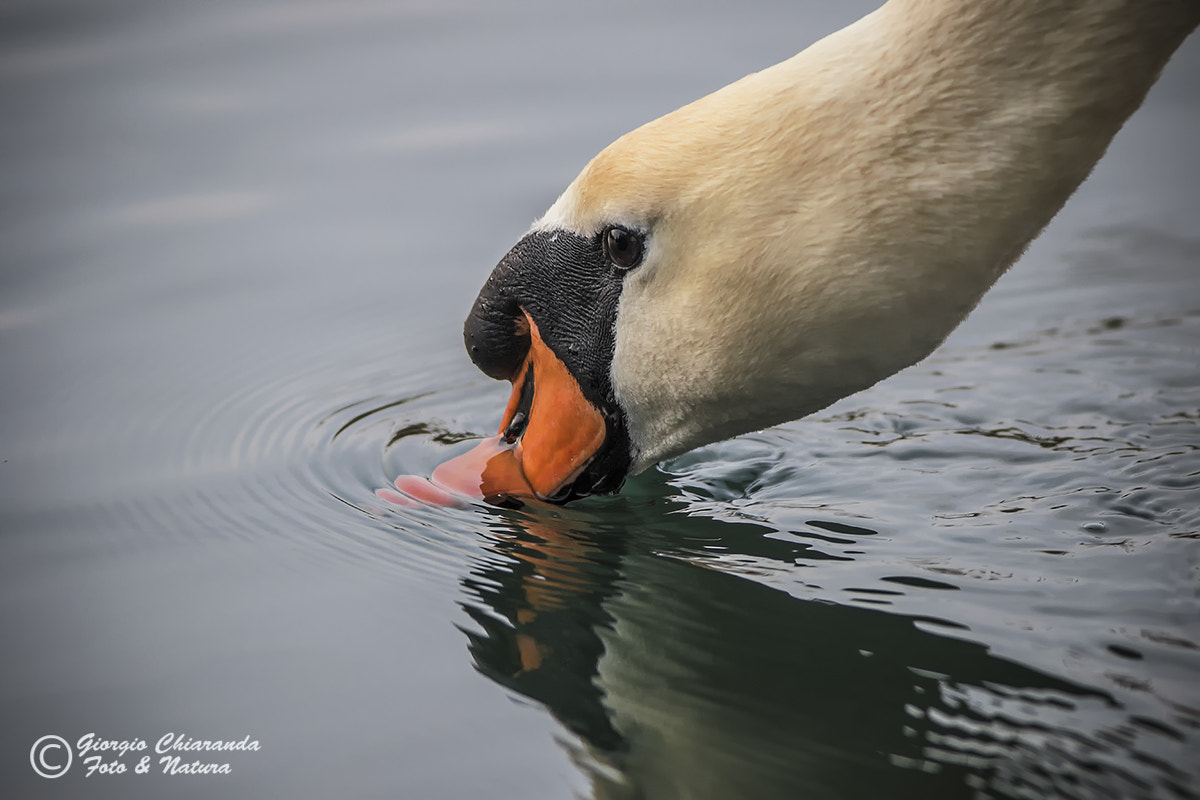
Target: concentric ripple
306,453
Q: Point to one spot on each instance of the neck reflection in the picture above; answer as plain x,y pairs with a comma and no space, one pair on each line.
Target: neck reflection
680,680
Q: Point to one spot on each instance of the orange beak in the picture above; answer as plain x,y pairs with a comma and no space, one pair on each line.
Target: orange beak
548,446
564,430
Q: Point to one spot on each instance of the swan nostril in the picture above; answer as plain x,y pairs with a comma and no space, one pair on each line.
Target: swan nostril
516,427
520,418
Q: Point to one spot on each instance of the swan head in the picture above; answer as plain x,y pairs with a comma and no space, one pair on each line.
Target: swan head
794,237
711,273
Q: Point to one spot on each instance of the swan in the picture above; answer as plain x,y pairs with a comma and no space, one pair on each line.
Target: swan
800,234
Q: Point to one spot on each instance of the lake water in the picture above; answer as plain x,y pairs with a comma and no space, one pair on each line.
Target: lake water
237,243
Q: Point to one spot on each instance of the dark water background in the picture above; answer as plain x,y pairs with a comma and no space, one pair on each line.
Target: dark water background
237,241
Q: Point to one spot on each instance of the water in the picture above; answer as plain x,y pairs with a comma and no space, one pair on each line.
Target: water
238,243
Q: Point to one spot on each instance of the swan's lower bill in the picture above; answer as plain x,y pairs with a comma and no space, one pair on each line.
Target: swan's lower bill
491,471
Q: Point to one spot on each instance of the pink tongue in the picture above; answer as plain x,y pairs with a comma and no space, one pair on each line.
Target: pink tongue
492,468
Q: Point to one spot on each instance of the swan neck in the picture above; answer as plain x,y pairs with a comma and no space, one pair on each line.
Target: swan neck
1100,55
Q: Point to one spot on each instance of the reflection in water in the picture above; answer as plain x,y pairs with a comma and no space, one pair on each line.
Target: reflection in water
685,681
543,596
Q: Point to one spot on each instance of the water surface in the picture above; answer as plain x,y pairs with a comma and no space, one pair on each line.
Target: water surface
238,243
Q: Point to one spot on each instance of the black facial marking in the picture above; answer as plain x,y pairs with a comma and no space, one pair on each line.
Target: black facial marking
570,287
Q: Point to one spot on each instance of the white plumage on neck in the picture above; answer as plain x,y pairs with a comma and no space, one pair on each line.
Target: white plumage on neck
824,223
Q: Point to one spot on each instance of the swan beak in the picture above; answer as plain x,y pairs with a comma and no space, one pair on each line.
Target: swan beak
556,430
564,428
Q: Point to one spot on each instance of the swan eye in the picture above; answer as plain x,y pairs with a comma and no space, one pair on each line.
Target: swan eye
623,247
